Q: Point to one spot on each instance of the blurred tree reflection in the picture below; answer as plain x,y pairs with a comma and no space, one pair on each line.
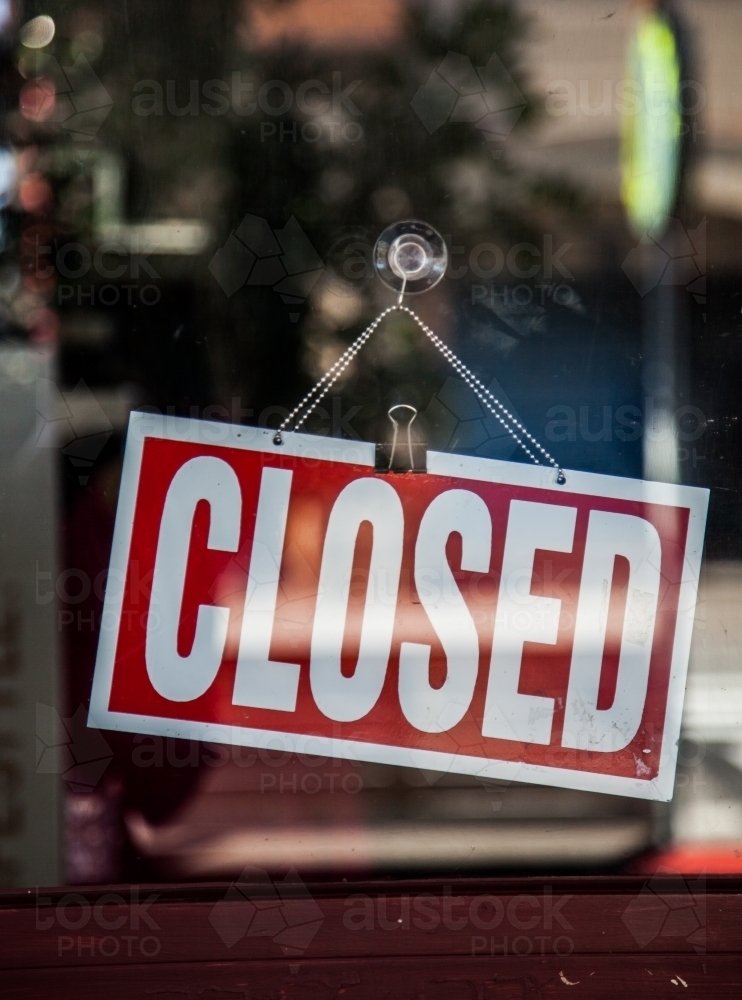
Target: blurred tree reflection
294,108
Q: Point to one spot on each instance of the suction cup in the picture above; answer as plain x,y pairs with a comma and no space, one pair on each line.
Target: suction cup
410,255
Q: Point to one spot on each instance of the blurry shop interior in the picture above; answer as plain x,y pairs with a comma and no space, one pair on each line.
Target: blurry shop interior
190,196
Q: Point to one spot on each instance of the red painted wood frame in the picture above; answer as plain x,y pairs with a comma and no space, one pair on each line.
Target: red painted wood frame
479,939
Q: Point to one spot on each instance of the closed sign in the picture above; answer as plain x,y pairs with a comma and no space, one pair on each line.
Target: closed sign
477,618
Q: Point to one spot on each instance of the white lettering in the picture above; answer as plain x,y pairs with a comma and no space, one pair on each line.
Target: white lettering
437,710
611,729
509,715
259,681
346,699
176,677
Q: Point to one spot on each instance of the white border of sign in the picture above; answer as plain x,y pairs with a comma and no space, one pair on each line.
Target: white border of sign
144,425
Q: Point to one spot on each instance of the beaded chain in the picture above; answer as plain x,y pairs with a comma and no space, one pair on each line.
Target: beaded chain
508,420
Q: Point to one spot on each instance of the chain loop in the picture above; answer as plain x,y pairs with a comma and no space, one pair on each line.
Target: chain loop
501,413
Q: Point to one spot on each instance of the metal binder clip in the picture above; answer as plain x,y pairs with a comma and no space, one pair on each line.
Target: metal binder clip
401,410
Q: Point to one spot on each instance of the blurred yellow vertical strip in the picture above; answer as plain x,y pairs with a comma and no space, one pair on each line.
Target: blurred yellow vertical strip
651,129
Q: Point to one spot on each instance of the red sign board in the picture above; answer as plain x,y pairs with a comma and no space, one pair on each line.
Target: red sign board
478,618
